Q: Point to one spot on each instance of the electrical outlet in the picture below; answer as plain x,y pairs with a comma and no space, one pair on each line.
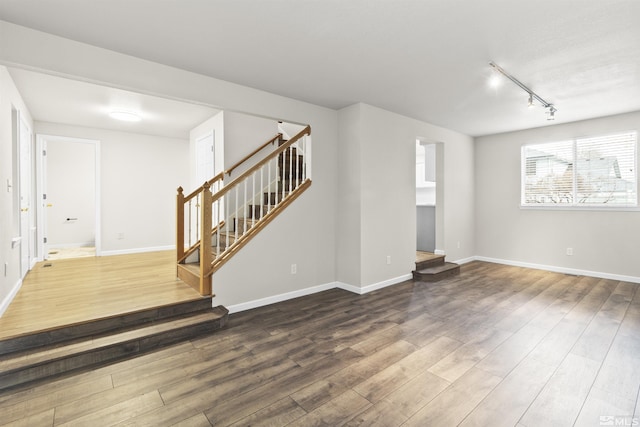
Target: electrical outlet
120,236
570,251
458,245
388,259
294,268
6,267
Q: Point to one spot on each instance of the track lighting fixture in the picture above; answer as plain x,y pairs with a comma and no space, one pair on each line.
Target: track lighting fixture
551,109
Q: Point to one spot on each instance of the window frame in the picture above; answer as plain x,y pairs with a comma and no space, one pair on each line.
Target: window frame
526,168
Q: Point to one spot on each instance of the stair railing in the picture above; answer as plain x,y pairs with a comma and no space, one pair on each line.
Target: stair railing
241,208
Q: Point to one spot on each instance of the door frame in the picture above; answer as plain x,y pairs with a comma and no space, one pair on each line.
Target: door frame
41,146
440,204
25,188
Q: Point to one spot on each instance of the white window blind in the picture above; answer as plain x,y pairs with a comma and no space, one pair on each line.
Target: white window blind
586,172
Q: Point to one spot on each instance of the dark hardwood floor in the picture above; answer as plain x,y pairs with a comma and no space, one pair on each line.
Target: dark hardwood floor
494,346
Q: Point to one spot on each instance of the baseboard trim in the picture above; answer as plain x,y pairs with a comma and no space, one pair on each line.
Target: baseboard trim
71,245
465,260
235,308
10,296
374,287
278,298
564,270
137,250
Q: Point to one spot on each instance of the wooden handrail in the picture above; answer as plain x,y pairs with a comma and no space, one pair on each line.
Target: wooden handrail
253,153
198,190
219,194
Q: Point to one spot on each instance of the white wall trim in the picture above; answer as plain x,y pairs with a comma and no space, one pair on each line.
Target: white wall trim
465,260
565,270
9,297
72,245
137,250
348,287
385,283
235,308
439,252
279,298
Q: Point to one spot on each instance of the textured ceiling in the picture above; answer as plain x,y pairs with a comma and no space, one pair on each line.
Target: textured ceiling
426,59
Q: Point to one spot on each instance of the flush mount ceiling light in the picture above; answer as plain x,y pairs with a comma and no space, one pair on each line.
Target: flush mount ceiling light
551,110
125,116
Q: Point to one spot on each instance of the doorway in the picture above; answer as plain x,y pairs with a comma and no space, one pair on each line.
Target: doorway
69,188
429,196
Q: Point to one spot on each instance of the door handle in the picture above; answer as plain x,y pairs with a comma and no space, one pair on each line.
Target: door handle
49,205
24,209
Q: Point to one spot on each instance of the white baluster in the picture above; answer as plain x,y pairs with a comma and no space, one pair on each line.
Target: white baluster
307,154
235,233
269,186
246,206
290,168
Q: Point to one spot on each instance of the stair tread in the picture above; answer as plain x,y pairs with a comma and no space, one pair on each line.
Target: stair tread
44,354
439,268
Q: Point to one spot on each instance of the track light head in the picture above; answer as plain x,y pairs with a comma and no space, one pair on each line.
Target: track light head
530,103
551,113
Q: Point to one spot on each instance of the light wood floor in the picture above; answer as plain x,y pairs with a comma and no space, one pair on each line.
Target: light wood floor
68,291
495,346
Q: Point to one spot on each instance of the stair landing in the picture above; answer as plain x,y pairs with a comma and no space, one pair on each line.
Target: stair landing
72,291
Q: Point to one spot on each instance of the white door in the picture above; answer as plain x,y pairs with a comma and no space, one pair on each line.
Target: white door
24,137
204,158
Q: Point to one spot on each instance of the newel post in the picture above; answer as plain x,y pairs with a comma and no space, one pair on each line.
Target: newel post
205,239
180,224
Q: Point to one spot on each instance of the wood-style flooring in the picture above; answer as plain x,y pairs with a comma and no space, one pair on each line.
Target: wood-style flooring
70,291
494,346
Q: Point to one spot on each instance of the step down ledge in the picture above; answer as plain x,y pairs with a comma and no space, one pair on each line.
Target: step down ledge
30,366
100,326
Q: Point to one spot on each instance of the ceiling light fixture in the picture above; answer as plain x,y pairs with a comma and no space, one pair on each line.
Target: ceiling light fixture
126,116
532,95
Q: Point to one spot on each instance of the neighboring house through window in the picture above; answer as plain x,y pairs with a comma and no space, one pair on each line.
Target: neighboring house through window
584,172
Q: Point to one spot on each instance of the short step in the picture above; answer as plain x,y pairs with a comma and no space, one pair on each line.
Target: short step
91,351
427,259
244,224
258,211
436,273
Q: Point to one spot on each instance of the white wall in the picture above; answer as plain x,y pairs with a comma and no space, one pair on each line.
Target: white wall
603,242
139,175
348,251
244,133
71,179
384,144
9,209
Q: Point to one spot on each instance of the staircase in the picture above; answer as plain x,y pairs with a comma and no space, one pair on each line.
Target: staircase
432,268
55,352
216,220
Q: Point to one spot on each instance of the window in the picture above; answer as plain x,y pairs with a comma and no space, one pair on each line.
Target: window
586,172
